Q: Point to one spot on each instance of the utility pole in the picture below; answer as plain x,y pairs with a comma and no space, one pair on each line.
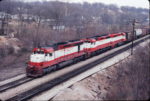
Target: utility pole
133,34
133,37
132,45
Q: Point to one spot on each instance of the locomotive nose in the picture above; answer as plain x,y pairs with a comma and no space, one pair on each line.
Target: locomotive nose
33,72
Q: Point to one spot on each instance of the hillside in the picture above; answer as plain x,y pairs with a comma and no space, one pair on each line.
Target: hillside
12,45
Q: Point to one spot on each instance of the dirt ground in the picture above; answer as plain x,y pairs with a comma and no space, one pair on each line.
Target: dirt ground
10,73
15,66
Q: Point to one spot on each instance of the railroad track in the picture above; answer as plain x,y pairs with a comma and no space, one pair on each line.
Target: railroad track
48,85
14,83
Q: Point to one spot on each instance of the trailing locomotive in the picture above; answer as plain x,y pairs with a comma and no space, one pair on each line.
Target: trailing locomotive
46,59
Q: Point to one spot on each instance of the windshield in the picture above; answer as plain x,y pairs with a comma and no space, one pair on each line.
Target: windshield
38,52
37,56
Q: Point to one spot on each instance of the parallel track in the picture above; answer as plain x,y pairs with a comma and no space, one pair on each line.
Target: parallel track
37,90
14,84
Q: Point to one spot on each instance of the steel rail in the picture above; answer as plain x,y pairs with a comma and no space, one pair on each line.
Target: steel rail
14,84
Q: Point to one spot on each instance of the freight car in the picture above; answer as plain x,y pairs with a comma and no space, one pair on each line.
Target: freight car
46,59
137,34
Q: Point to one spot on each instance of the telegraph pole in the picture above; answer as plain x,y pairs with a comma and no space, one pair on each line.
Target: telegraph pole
133,34
133,37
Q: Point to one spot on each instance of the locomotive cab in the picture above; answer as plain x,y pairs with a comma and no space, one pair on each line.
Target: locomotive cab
40,55
37,56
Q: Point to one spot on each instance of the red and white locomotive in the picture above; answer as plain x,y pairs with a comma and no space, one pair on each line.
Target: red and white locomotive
46,59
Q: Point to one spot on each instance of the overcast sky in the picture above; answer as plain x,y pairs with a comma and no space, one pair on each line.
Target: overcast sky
134,3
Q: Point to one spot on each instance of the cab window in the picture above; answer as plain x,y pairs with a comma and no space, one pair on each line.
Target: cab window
50,54
38,52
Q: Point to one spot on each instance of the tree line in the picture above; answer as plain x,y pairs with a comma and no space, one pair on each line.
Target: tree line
43,23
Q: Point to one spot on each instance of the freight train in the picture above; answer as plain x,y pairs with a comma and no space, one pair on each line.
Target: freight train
46,59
